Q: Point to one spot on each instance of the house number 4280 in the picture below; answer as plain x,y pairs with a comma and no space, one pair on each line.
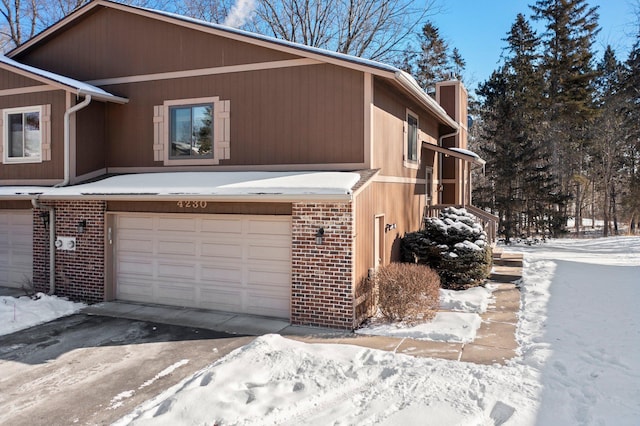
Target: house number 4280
192,204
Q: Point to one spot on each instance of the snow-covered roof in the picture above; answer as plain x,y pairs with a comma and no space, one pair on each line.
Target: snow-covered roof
22,192
248,186
79,87
479,160
463,154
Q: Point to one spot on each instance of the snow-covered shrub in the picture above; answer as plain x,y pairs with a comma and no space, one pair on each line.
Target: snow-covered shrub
408,292
454,245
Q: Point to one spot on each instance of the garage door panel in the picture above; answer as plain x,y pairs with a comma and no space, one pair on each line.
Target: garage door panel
129,266
270,227
214,250
222,226
225,262
175,224
268,306
135,245
175,246
221,273
180,294
177,270
135,290
259,278
221,300
258,252
136,223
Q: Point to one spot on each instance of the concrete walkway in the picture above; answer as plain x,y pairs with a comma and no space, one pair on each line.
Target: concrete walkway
495,339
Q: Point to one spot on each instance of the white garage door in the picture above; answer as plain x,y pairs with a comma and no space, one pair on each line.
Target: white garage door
232,263
16,247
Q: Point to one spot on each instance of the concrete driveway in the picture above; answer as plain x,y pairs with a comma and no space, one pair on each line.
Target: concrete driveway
89,369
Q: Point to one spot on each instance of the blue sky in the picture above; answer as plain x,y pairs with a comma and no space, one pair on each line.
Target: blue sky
477,27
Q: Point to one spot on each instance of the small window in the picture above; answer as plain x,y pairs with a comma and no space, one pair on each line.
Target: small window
191,132
412,141
22,135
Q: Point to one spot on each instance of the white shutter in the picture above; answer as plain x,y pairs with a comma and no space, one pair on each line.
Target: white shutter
158,133
2,142
45,129
222,129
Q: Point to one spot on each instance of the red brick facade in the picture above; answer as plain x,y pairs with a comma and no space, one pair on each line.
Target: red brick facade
80,272
321,278
322,274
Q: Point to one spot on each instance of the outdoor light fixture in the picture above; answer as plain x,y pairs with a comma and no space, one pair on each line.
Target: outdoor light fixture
389,226
320,236
81,226
44,217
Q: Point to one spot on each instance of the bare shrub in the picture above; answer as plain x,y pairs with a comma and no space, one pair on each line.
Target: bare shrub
408,292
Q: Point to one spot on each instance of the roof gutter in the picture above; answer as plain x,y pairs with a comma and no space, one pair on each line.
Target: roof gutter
412,86
67,150
265,198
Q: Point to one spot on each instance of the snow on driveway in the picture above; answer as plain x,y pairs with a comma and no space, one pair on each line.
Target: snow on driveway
23,312
579,335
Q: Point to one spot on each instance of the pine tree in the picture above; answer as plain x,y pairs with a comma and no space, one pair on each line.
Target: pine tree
571,28
433,61
516,160
631,93
607,159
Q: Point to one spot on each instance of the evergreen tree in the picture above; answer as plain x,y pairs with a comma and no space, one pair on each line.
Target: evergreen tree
571,28
433,61
516,160
631,93
606,153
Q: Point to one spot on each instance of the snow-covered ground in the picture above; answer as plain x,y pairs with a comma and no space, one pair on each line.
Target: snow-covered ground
578,363
24,312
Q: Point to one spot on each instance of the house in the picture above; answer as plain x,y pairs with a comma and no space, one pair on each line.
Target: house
155,158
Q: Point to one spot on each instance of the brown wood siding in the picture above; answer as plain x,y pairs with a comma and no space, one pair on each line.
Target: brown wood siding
389,117
90,138
53,169
211,208
110,43
11,80
300,115
448,100
401,205
15,205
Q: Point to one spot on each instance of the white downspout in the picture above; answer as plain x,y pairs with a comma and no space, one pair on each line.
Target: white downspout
67,137
67,177
440,166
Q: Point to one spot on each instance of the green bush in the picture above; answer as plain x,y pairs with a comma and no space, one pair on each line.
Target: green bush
408,292
454,245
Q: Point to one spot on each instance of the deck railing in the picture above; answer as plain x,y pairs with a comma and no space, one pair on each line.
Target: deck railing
488,221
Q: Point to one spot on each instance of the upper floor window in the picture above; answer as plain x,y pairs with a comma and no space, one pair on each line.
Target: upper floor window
22,136
412,141
191,132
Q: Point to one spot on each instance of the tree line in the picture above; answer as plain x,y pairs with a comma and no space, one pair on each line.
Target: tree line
559,128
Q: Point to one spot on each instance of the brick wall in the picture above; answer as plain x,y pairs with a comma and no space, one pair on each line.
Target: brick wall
322,275
79,273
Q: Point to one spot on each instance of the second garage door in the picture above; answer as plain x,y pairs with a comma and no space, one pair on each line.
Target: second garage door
16,247
232,263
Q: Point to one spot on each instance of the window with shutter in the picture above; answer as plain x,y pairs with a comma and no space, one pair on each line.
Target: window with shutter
192,131
26,134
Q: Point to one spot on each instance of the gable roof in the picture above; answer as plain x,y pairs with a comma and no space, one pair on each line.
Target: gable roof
60,81
403,79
